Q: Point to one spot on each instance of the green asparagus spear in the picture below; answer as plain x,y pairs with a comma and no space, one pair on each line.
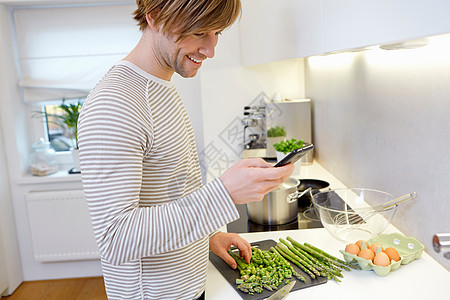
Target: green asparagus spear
319,255
242,265
325,267
285,253
331,256
326,258
284,261
312,266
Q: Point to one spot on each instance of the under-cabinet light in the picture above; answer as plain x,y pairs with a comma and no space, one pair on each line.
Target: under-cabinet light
414,44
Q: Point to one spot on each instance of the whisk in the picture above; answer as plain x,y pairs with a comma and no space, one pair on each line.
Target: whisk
362,215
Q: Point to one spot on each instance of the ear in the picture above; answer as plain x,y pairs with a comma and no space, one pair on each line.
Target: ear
151,20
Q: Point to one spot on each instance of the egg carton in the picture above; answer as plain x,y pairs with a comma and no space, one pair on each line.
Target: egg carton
408,248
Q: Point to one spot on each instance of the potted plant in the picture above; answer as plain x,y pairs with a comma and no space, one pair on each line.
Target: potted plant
275,135
286,146
67,119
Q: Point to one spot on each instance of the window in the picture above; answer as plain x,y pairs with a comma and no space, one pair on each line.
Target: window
59,122
59,137
62,51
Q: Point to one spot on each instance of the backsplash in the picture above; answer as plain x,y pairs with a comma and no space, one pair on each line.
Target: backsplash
380,120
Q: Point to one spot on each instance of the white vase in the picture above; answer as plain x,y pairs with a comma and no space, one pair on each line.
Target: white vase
76,159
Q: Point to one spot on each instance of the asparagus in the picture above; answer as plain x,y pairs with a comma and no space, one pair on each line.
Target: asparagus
331,256
266,270
304,260
326,258
297,275
321,256
242,265
286,253
324,267
269,269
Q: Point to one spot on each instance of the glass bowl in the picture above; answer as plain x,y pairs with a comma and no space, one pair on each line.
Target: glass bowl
350,214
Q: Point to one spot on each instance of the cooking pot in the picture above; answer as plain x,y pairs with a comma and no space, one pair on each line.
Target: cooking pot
278,206
316,186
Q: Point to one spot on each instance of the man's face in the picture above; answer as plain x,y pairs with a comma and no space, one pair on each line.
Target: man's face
185,56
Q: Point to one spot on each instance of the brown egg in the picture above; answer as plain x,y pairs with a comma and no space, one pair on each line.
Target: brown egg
381,259
360,244
374,247
352,249
366,254
392,253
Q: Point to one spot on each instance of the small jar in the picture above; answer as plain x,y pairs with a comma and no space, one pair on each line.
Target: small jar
42,159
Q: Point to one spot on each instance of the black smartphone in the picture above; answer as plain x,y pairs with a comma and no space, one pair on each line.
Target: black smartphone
294,155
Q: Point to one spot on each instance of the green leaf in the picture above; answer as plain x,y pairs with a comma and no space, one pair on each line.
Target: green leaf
287,146
276,131
69,119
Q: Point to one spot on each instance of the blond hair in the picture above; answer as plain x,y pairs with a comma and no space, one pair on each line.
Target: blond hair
186,17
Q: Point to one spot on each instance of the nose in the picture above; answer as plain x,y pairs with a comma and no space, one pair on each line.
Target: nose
209,43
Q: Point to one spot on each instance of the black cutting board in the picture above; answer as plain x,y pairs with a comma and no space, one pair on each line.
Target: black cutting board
231,275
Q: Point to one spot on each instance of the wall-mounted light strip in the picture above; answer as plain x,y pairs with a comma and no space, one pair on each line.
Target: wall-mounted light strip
413,44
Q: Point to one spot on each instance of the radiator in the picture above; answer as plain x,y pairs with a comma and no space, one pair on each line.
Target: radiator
60,226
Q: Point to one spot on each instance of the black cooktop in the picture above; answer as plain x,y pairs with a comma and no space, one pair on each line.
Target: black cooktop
306,219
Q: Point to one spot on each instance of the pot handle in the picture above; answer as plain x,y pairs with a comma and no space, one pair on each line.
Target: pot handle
294,196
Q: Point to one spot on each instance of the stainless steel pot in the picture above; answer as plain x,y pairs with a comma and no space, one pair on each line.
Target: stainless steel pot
316,186
278,206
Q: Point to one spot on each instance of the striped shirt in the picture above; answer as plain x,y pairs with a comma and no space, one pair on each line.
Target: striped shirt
152,216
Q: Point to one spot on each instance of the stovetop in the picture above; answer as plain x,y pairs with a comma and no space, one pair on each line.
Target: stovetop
306,219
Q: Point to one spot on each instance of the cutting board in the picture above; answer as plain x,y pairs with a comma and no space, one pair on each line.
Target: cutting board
231,275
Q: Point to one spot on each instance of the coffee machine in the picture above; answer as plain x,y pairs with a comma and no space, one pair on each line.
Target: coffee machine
294,115
255,131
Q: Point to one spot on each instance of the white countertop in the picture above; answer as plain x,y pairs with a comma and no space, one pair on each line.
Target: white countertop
423,278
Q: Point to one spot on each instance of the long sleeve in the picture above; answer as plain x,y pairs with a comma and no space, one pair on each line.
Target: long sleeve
140,173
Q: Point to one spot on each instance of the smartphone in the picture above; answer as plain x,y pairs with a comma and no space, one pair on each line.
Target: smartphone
294,155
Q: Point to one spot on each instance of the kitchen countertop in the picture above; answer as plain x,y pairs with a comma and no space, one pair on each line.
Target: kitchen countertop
423,278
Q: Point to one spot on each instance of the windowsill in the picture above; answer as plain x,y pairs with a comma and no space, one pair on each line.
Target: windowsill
60,176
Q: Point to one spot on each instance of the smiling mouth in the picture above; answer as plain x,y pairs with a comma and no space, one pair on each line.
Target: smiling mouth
194,60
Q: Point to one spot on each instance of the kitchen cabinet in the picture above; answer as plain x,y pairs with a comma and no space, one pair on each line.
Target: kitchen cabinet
351,24
274,30
278,30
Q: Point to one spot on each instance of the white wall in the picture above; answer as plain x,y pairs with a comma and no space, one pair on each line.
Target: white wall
10,266
226,87
11,269
381,120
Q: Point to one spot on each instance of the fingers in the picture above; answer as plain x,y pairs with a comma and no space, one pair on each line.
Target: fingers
227,258
222,242
250,179
245,249
256,162
279,173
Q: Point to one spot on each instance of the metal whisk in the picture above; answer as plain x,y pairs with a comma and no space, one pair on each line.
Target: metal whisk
362,215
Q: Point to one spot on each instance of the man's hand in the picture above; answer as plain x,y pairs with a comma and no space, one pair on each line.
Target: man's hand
221,242
249,180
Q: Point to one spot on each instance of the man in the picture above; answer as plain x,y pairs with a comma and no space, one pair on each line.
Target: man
154,221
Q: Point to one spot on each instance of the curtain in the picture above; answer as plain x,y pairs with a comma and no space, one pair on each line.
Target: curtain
64,51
